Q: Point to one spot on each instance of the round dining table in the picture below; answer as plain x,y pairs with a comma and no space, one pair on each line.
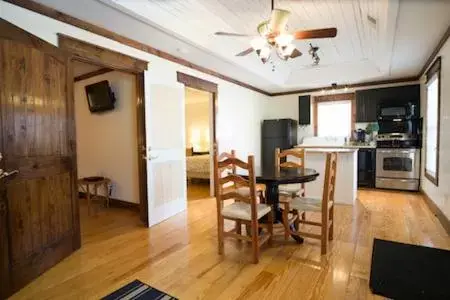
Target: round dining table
272,178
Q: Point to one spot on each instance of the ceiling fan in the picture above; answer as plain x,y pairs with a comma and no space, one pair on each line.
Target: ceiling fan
273,34
313,52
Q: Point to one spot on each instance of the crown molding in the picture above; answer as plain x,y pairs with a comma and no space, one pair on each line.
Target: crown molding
355,85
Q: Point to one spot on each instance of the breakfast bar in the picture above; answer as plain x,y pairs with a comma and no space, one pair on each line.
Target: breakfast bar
346,177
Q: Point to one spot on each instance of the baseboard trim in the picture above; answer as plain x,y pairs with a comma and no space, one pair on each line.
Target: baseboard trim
117,202
437,212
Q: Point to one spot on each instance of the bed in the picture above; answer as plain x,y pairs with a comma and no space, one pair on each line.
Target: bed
198,166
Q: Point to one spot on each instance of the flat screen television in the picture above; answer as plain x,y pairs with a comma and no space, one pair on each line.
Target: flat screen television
100,97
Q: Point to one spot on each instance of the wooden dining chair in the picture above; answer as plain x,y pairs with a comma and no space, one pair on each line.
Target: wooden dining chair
281,161
244,191
325,206
245,209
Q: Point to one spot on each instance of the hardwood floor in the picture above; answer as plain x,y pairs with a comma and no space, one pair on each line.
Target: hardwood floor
180,256
198,190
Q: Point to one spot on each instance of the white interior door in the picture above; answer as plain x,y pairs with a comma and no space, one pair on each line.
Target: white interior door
166,152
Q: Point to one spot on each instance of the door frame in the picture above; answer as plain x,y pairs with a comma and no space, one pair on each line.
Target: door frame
89,53
207,86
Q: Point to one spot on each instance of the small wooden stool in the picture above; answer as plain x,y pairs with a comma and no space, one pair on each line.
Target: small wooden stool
87,182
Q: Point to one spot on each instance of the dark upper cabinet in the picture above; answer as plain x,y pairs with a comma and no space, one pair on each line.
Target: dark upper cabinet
304,110
366,106
368,100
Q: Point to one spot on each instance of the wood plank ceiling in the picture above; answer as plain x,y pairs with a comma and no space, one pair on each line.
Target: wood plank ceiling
363,48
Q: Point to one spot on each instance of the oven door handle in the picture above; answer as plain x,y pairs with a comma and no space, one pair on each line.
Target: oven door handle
393,152
405,152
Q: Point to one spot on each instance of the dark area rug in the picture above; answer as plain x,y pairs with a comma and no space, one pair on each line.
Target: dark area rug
404,271
138,290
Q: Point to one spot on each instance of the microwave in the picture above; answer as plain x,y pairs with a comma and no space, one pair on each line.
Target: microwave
391,112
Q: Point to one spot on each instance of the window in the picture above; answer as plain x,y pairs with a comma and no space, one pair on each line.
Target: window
328,115
333,115
432,122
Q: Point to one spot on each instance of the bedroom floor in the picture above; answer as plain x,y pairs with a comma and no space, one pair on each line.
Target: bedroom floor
197,190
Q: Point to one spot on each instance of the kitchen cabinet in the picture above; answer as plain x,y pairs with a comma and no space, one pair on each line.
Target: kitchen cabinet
304,110
366,167
367,100
366,106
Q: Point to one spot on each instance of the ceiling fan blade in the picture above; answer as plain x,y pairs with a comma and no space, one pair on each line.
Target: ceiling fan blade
315,34
245,52
278,20
295,53
232,34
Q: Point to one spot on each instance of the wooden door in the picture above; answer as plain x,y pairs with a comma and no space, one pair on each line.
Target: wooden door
37,138
4,253
166,154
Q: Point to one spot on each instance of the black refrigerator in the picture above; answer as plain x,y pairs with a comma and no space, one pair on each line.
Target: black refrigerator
280,133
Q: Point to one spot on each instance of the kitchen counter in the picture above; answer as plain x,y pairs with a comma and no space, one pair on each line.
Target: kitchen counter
337,146
326,150
346,173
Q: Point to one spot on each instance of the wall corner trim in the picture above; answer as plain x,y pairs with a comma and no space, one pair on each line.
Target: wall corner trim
436,211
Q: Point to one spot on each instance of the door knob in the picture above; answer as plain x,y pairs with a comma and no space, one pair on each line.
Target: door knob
149,157
4,174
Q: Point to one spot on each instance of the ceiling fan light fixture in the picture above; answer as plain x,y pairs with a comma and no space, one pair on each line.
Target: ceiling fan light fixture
285,52
281,54
258,43
289,49
264,53
278,20
263,28
284,39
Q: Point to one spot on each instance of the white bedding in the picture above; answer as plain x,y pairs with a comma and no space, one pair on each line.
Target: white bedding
198,166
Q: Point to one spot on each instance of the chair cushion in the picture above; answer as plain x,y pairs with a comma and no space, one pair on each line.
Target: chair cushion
290,188
242,211
306,204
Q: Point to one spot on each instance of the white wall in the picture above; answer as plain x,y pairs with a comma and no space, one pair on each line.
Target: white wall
240,104
286,107
106,142
245,107
240,110
440,195
197,120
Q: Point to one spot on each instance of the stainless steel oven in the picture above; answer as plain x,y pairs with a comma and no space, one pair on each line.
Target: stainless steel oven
398,168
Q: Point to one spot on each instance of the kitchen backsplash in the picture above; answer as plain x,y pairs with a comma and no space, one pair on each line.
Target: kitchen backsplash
308,131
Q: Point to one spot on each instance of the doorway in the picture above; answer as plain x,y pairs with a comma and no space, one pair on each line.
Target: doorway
106,139
198,132
92,64
209,90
